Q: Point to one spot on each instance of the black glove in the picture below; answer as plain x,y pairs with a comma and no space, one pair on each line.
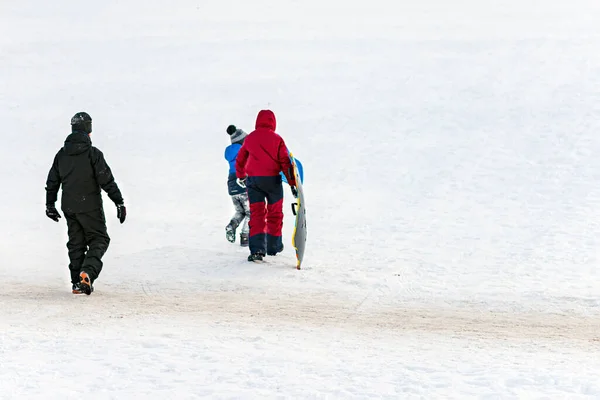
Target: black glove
121,212
294,191
52,213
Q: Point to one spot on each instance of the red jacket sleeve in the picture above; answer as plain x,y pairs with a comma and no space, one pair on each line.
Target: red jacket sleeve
286,163
240,162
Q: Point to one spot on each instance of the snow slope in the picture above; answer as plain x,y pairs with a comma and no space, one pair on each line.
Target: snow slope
450,155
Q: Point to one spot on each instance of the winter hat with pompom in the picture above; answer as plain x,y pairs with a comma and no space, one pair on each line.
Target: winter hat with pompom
237,135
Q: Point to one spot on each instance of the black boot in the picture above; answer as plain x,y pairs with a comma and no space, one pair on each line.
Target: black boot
76,289
258,256
244,241
85,283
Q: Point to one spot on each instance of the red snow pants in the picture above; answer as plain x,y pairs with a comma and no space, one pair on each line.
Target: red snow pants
265,195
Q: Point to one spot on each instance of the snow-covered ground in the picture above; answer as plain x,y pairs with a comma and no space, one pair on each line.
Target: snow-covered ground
451,155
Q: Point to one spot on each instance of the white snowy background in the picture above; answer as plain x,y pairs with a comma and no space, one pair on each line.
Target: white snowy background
452,178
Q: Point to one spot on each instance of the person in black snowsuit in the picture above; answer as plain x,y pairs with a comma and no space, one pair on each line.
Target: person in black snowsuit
82,170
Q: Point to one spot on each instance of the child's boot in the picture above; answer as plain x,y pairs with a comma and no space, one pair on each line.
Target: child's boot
230,233
244,241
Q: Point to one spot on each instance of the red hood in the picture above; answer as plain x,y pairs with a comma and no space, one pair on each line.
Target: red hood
266,119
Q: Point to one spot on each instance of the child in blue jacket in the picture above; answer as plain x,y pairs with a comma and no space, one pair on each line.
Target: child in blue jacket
238,193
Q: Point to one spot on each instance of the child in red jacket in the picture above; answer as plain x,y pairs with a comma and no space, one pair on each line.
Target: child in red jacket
258,165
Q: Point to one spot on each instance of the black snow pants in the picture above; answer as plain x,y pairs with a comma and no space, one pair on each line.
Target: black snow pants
88,241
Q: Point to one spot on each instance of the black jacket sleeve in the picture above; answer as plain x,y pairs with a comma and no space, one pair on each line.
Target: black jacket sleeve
105,177
53,183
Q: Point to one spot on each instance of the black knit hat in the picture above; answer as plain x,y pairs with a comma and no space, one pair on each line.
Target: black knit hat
81,122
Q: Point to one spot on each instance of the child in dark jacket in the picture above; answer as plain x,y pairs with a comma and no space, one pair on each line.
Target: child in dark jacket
259,163
238,194
80,170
